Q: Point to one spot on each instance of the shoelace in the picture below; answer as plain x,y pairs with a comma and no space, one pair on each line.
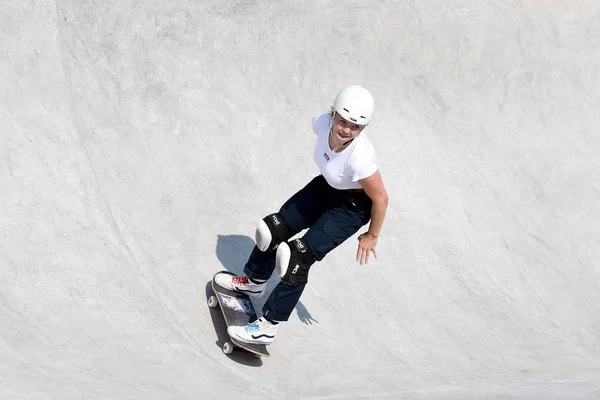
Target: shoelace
253,327
240,280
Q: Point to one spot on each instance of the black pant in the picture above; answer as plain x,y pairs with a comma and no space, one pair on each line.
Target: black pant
331,215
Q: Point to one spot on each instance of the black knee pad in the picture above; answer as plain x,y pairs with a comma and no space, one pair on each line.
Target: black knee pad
270,231
293,261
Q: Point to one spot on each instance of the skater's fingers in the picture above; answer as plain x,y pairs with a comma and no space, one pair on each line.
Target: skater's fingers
362,253
367,254
360,256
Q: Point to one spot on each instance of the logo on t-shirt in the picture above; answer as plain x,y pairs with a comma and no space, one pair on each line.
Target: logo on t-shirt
326,156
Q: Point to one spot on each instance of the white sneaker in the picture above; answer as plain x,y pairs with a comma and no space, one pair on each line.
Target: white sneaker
260,331
240,284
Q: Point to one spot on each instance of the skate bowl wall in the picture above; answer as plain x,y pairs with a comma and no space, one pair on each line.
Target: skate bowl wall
143,140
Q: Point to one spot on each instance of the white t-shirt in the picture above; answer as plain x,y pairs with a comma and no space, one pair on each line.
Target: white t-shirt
343,170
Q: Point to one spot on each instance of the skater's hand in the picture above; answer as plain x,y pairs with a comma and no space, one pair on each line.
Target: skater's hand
366,244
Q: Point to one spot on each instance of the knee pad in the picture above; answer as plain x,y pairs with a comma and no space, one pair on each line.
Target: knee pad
293,261
270,231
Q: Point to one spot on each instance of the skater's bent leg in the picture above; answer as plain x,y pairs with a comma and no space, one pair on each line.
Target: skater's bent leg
270,232
296,214
296,257
282,301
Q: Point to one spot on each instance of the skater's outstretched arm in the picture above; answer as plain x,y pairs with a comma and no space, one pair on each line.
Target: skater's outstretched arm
367,242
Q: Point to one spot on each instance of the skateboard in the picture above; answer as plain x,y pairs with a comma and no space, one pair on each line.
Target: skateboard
238,310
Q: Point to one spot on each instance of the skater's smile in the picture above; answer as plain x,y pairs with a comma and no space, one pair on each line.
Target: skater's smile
343,131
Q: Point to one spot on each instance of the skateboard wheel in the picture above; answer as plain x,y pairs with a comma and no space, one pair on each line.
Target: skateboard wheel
228,348
212,302
257,356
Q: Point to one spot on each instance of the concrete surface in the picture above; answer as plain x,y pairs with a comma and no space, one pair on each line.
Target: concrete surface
143,140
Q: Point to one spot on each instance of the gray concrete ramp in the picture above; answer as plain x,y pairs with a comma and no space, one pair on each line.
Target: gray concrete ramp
143,140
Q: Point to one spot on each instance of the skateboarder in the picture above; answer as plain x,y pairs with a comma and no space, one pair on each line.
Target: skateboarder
347,194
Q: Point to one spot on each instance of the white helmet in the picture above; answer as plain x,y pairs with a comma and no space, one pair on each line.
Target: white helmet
354,104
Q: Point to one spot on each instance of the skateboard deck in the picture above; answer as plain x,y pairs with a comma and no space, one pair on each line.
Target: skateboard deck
238,310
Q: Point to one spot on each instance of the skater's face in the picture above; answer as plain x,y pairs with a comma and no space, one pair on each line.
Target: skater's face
344,130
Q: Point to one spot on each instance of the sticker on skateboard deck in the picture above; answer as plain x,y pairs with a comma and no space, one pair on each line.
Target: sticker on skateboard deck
237,304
